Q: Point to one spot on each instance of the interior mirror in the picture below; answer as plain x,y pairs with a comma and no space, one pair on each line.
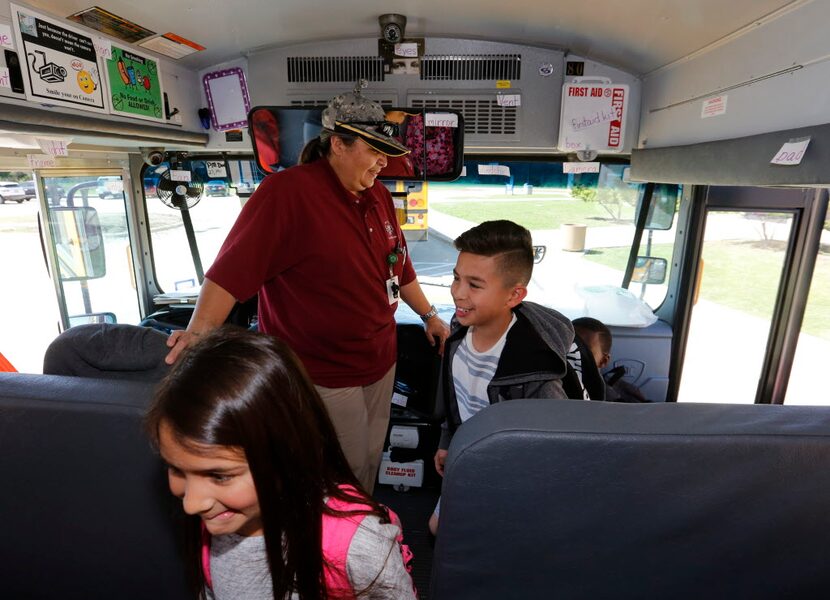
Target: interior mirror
435,138
79,243
649,269
663,206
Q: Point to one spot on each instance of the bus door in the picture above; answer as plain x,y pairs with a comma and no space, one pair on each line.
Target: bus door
88,245
754,260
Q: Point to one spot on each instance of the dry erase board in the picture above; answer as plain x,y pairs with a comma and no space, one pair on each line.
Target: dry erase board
227,96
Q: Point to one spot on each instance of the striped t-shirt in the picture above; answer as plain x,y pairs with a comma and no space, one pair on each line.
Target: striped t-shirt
472,372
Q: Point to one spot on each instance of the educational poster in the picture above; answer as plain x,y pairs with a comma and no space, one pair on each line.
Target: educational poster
593,116
135,85
60,65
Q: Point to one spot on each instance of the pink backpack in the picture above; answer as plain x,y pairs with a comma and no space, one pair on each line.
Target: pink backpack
337,536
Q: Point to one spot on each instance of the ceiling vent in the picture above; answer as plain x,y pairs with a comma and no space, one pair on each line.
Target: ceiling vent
482,115
325,69
471,67
323,102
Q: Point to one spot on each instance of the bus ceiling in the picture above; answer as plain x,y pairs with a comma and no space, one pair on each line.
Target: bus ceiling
694,72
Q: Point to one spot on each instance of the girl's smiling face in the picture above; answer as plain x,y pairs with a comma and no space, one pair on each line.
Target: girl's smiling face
214,482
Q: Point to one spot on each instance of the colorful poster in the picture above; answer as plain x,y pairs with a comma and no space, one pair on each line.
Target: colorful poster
61,65
135,85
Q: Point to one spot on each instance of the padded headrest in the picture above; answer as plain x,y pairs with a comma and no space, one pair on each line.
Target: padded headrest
575,499
108,351
87,512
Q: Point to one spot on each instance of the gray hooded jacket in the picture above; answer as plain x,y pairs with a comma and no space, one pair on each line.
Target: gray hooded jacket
532,364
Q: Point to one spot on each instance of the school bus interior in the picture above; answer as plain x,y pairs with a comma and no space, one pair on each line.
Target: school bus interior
670,160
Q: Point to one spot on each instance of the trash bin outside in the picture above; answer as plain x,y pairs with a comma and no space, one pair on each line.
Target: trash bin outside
573,237
528,188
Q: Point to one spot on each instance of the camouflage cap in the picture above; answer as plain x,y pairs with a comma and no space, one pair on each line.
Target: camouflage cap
353,114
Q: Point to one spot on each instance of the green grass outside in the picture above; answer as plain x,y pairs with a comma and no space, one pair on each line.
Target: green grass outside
546,208
744,276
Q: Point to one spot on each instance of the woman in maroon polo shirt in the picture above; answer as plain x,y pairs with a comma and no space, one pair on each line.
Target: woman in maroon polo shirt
320,245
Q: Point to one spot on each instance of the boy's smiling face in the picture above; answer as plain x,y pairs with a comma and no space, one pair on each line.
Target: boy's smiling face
481,295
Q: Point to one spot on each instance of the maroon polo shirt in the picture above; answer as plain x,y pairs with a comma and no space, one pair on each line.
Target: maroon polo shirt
317,256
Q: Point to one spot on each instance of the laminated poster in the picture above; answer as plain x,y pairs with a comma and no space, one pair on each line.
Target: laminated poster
135,85
60,63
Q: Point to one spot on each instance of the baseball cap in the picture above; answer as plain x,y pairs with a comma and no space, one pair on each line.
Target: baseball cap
353,114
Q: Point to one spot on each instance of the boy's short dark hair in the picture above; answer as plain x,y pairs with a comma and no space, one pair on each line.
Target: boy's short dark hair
598,327
508,241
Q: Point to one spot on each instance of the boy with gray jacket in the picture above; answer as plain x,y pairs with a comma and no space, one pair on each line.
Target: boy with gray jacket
500,347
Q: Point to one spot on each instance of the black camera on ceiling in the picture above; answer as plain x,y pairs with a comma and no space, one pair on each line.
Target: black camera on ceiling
392,27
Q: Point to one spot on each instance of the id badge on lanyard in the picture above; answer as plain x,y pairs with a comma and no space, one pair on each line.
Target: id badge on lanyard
393,286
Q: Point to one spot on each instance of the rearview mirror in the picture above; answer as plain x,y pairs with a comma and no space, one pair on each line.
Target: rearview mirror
435,138
79,243
649,269
663,206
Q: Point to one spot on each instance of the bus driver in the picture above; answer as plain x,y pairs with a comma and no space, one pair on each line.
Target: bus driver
321,245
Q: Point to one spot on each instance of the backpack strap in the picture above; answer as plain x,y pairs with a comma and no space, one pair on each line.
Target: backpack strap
205,555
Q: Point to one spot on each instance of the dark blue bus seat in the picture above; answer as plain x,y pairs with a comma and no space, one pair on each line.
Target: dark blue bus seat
85,504
108,351
569,499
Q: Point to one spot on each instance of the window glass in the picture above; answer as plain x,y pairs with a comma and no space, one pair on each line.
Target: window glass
212,201
582,225
806,385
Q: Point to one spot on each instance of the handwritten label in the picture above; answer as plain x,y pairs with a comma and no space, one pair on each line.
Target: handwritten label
179,175
712,107
503,84
494,170
407,50
580,167
103,47
215,168
509,100
441,120
792,152
597,118
53,147
41,161
6,40
5,80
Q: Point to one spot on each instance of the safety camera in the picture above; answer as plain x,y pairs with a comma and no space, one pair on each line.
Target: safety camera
153,156
392,27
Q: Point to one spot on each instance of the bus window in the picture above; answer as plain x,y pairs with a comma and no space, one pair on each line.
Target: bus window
212,212
805,385
743,258
88,221
582,227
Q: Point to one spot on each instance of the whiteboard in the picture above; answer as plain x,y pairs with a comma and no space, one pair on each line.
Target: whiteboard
227,96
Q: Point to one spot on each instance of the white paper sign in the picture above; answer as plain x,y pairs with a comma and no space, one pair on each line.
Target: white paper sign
593,116
53,147
792,152
407,50
712,107
59,61
103,47
179,175
494,170
441,120
509,100
6,39
41,161
5,80
216,168
580,167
